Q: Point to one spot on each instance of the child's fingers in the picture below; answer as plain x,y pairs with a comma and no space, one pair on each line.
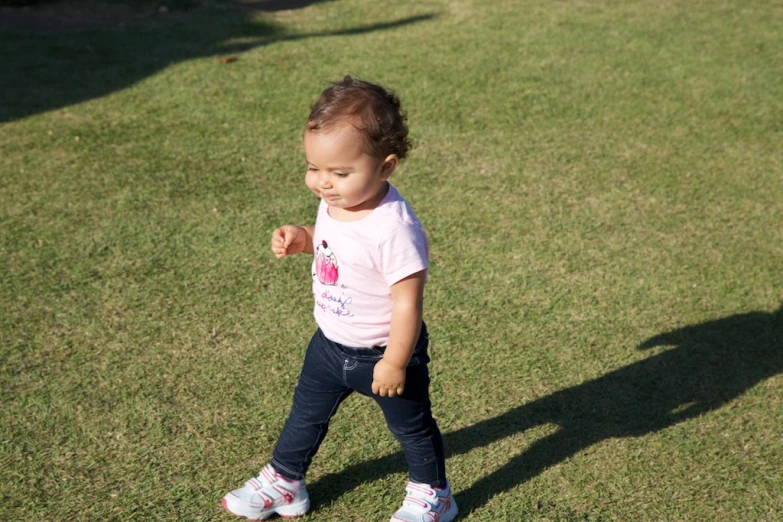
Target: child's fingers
290,235
284,236
279,245
386,391
282,239
278,237
380,389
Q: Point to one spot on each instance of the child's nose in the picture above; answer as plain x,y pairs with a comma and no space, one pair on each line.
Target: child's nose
325,180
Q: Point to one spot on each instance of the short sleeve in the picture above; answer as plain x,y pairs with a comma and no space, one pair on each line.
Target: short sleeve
403,250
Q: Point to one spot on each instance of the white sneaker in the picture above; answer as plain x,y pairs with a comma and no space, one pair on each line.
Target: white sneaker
267,494
426,504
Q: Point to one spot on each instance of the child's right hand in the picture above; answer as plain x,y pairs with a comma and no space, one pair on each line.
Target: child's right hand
288,240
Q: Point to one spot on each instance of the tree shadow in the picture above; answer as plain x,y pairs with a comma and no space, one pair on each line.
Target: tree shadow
42,72
711,364
277,5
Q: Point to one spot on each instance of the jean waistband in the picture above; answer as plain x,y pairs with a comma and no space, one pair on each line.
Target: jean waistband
372,350
361,352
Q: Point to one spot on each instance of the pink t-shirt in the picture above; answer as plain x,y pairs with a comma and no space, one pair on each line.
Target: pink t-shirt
357,262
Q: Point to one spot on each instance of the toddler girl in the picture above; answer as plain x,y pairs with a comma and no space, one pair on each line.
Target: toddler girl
369,270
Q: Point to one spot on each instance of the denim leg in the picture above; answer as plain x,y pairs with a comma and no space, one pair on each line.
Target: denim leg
408,416
320,391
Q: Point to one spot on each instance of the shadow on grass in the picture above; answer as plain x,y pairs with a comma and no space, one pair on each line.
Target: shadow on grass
710,365
278,5
43,72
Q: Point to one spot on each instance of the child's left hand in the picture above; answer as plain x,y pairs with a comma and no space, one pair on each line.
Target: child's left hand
387,380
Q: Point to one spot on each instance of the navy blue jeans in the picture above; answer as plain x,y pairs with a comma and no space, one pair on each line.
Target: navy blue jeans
331,372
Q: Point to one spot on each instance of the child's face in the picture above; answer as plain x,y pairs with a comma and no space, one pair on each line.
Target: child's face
341,172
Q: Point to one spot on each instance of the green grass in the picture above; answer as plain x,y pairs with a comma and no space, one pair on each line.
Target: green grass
602,184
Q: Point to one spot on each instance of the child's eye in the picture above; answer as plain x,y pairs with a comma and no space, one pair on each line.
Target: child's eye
341,174
310,167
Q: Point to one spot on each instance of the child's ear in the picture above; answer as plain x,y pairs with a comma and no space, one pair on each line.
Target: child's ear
389,166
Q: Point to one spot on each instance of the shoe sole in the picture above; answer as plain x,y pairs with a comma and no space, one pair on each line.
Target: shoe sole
451,514
446,516
289,511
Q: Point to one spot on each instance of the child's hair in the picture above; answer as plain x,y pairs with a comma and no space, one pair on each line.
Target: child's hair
370,108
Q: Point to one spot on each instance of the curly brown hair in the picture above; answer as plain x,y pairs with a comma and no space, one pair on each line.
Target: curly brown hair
370,108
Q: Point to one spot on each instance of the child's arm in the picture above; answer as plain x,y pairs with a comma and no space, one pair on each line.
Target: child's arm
407,304
291,239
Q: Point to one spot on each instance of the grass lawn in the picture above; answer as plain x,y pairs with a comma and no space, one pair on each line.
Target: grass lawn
602,184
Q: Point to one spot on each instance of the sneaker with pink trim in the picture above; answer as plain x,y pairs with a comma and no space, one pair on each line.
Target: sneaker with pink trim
426,504
267,494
